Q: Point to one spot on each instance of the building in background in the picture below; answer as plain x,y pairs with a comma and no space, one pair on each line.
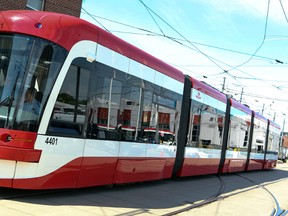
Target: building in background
69,7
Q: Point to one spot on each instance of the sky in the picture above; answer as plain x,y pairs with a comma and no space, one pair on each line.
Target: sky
238,46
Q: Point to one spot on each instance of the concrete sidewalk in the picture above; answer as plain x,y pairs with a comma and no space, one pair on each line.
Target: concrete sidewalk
241,197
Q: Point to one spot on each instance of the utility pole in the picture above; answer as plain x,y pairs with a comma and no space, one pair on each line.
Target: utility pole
282,133
241,95
263,108
223,86
283,123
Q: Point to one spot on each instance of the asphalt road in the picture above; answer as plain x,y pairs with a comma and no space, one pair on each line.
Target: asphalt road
253,193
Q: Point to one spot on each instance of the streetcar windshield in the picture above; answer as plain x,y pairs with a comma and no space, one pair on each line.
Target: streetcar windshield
28,69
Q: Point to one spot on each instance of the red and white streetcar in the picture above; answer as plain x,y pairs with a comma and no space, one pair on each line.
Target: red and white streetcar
101,111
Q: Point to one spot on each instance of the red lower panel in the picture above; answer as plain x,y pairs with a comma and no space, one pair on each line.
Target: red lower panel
19,154
65,177
135,170
199,166
97,171
234,165
168,168
255,164
270,164
6,183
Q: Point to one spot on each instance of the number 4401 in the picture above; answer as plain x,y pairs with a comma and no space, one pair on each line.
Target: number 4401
51,141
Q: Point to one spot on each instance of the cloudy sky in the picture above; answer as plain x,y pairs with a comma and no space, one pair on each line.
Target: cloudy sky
244,42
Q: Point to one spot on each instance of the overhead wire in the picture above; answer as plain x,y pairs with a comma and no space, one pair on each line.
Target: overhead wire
163,34
283,11
211,58
194,72
262,42
180,34
214,59
154,20
95,19
151,33
195,47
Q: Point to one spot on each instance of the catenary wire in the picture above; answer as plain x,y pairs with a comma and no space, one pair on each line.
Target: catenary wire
151,33
253,55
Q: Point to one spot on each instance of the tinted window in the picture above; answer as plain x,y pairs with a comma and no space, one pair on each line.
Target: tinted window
206,121
124,107
28,70
69,113
35,4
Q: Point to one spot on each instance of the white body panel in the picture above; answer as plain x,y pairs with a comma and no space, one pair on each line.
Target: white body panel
101,148
191,152
7,169
271,157
258,156
52,157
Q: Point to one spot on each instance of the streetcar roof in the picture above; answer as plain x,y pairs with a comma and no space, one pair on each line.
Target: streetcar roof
260,117
55,27
209,90
240,106
274,124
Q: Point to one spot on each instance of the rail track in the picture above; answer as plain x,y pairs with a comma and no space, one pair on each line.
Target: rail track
277,211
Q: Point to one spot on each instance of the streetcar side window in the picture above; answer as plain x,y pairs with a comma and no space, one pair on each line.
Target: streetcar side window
123,106
99,101
273,142
206,124
240,123
259,137
68,117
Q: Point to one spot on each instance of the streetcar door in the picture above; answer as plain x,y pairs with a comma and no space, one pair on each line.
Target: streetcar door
67,126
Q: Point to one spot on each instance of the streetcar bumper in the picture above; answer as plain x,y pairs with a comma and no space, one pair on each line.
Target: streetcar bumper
19,154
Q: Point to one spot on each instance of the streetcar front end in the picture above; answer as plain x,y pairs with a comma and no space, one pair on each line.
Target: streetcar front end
29,66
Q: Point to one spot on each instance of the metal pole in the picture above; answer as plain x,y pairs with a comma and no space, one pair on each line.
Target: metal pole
282,133
241,95
223,86
263,108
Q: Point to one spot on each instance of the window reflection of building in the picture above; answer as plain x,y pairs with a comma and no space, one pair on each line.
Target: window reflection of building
206,122
259,136
69,113
127,105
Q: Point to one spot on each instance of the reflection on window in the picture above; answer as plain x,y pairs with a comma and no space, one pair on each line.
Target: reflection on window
239,130
275,140
124,107
259,136
35,4
106,103
206,125
69,112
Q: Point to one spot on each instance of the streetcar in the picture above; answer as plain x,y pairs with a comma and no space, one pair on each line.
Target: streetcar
101,111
